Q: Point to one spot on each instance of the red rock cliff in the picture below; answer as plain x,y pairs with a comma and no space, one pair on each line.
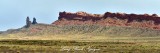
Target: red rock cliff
108,18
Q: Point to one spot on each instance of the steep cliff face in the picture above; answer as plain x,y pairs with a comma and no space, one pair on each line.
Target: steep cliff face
82,16
109,19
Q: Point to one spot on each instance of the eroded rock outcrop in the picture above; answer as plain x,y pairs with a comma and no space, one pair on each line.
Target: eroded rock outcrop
28,22
108,18
34,21
82,16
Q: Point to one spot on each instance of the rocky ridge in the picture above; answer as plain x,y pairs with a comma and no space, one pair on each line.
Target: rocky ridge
109,19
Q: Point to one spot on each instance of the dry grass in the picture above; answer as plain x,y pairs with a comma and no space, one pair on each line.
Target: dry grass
110,39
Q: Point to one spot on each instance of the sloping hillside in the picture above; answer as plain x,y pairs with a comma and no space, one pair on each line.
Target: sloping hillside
94,30
85,24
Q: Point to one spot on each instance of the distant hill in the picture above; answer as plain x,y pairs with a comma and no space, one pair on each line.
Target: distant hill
82,23
93,30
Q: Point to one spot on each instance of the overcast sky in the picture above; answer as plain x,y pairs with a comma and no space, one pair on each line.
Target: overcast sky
14,12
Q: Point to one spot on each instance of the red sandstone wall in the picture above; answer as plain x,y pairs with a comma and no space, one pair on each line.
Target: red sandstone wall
108,18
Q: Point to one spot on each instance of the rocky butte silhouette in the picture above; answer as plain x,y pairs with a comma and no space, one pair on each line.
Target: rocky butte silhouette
28,22
109,19
34,21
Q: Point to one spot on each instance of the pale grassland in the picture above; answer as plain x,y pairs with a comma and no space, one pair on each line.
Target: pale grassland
55,43
83,38
109,39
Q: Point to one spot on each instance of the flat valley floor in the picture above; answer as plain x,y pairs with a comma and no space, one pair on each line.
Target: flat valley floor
79,44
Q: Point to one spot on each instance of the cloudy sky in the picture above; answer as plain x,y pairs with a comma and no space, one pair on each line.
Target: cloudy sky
14,12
